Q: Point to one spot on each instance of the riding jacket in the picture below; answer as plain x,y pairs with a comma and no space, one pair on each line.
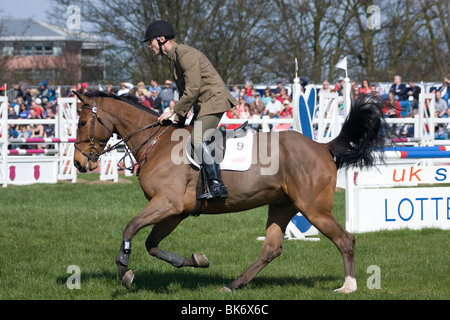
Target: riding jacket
198,83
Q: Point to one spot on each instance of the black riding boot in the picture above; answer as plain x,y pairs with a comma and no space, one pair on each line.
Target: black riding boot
210,170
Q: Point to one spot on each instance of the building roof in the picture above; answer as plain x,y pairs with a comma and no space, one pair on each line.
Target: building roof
33,30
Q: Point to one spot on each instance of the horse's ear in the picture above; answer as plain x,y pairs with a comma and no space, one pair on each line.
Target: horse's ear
85,100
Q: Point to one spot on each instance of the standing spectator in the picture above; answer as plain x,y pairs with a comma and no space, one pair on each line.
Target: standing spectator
156,102
441,104
257,106
274,107
413,94
45,92
399,89
445,89
154,86
277,90
167,93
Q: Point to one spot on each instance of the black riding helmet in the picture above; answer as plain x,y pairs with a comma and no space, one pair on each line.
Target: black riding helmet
157,29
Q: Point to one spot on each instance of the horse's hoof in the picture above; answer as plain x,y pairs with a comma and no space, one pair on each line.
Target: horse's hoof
127,279
225,289
200,260
349,286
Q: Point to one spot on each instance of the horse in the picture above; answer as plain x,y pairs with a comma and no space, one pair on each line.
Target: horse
305,179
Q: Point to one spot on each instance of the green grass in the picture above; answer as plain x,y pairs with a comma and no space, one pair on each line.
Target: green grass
46,228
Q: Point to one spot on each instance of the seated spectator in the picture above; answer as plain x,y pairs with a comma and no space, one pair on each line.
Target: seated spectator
23,111
110,89
12,133
339,86
267,96
142,90
234,115
391,108
11,112
241,104
24,132
235,91
170,107
325,87
274,107
37,130
36,106
258,105
441,104
283,95
246,113
156,102
143,100
440,132
125,88
365,87
251,97
407,129
286,112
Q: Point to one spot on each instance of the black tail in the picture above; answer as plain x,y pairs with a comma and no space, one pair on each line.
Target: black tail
362,133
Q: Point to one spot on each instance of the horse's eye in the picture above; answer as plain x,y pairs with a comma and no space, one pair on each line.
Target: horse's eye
82,124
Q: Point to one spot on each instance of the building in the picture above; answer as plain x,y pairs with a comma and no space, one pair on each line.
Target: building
32,51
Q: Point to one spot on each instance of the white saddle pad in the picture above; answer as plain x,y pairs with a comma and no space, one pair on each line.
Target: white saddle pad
238,154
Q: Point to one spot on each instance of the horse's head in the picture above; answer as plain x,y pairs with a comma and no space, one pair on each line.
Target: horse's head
92,134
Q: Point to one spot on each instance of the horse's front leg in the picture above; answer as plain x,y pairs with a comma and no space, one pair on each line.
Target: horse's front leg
162,230
158,209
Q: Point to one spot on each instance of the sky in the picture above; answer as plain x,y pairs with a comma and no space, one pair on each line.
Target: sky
35,9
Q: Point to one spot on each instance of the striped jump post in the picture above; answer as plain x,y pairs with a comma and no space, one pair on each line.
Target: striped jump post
42,140
22,152
417,152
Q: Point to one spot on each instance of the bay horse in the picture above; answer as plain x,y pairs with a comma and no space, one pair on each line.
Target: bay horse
305,180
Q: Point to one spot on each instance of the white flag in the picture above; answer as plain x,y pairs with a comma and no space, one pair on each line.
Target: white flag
342,64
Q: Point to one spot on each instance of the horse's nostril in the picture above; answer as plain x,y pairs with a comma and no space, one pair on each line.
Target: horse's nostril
78,166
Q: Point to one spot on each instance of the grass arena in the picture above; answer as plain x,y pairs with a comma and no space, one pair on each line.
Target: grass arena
47,229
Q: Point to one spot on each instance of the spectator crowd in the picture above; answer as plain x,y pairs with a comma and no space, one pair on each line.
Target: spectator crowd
400,102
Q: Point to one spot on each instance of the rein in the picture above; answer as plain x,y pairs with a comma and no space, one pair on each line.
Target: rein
93,152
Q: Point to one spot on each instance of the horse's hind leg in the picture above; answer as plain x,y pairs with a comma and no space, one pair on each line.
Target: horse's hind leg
162,230
324,221
279,217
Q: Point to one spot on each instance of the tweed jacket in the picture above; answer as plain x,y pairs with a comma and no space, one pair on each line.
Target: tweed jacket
198,83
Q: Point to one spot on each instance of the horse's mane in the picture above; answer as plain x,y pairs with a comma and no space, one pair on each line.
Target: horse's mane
128,98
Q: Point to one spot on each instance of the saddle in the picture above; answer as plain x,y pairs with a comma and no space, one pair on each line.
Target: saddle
238,132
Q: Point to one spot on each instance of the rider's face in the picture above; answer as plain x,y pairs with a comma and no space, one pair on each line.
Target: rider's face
153,45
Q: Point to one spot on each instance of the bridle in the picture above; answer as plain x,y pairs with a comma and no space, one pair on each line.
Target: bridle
93,151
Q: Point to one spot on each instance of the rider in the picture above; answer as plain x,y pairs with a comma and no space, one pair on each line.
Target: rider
200,86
